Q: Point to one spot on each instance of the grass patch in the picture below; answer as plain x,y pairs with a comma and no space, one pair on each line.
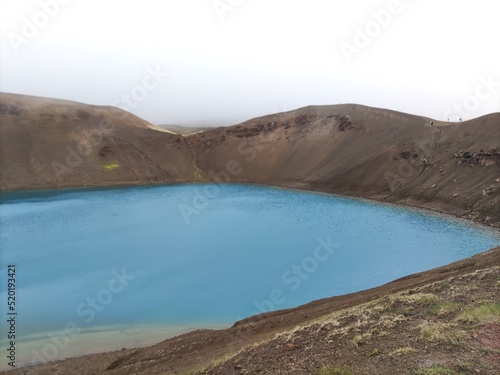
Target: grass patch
375,353
110,167
442,333
415,297
333,371
468,366
224,358
405,303
198,175
399,310
486,313
404,350
427,299
439,286
489,351
442,309
357,340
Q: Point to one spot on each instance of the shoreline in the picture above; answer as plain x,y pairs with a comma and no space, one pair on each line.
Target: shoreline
97,340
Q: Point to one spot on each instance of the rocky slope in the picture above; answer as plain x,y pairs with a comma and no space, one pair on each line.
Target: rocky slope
362,151
345,149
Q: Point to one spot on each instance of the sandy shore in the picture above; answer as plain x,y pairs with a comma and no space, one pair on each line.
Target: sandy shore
58,345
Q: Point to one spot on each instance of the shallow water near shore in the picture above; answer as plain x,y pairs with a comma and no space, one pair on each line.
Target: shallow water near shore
147,263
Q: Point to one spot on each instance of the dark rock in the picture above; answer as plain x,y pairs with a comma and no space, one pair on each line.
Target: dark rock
7,109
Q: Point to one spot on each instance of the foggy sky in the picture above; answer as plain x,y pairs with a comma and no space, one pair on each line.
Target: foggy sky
219,62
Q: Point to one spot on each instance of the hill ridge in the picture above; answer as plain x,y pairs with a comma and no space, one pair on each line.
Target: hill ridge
346,149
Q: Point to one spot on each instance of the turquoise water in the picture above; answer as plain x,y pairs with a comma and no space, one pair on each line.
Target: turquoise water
175,257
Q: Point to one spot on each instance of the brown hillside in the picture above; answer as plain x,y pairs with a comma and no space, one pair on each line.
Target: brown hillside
345,149
367,152
48,143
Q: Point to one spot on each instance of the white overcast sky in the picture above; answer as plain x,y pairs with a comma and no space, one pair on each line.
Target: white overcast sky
224,61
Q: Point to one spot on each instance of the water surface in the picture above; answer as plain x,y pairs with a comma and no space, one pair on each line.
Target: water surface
112,263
